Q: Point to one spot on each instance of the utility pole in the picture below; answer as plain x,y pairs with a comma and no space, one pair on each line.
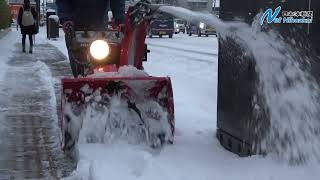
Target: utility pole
38,10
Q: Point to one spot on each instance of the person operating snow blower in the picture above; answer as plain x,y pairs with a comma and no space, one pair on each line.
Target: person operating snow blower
111,97
86,15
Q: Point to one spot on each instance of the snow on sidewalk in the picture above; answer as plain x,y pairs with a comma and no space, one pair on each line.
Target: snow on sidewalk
6,47
30,146
196,154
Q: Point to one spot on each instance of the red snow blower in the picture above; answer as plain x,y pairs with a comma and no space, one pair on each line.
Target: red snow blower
114,98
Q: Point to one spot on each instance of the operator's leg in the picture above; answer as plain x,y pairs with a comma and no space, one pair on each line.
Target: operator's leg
70,54
24,42
75,57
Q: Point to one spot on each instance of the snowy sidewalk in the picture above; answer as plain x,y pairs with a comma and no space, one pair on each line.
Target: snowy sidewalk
30,144
3,32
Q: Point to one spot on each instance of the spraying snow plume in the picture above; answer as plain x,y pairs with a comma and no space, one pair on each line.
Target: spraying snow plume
290,92
291,95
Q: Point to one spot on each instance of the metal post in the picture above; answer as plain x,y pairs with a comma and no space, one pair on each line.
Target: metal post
38,9
309,10
43,11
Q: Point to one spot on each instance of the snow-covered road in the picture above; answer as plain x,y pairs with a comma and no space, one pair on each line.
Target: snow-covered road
192,64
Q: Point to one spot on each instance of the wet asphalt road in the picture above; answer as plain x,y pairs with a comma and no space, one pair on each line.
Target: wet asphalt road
29,140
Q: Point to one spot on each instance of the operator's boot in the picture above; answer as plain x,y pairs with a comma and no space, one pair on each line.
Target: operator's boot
30,49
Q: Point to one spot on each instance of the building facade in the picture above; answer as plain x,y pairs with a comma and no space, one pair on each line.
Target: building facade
194,5
20,1
197,5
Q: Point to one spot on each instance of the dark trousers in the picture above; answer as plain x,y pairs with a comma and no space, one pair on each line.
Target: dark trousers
24,40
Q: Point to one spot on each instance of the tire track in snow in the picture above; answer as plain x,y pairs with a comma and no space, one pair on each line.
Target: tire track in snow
33,148
183,49
185,56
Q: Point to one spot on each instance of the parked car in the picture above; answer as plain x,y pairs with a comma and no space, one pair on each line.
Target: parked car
161,26
200,28
179,26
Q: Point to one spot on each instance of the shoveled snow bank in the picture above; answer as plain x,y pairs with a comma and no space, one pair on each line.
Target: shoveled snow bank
47,79
6,52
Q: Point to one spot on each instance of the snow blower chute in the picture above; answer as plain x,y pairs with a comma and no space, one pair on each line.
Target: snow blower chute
114,97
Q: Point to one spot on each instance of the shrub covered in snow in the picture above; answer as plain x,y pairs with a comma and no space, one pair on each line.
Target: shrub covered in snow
5,15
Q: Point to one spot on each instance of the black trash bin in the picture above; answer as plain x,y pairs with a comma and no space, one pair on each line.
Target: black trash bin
49,12
53,26
242,118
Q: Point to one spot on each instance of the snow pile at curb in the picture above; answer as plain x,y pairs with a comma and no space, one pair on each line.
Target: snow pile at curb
6,44
47,79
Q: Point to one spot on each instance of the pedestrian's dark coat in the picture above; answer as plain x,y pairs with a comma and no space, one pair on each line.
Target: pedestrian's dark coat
27,29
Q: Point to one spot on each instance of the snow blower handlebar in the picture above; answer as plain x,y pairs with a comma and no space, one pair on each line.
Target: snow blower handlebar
137,24
143,10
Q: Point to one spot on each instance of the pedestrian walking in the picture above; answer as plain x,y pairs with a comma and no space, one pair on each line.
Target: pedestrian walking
27,21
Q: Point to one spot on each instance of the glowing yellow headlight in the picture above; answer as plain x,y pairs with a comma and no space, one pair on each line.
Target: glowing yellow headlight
99,49
201,25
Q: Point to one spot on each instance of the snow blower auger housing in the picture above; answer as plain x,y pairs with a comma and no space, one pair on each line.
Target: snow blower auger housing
116,99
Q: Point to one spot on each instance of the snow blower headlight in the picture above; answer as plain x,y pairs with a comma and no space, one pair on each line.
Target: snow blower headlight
201,25
99,49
